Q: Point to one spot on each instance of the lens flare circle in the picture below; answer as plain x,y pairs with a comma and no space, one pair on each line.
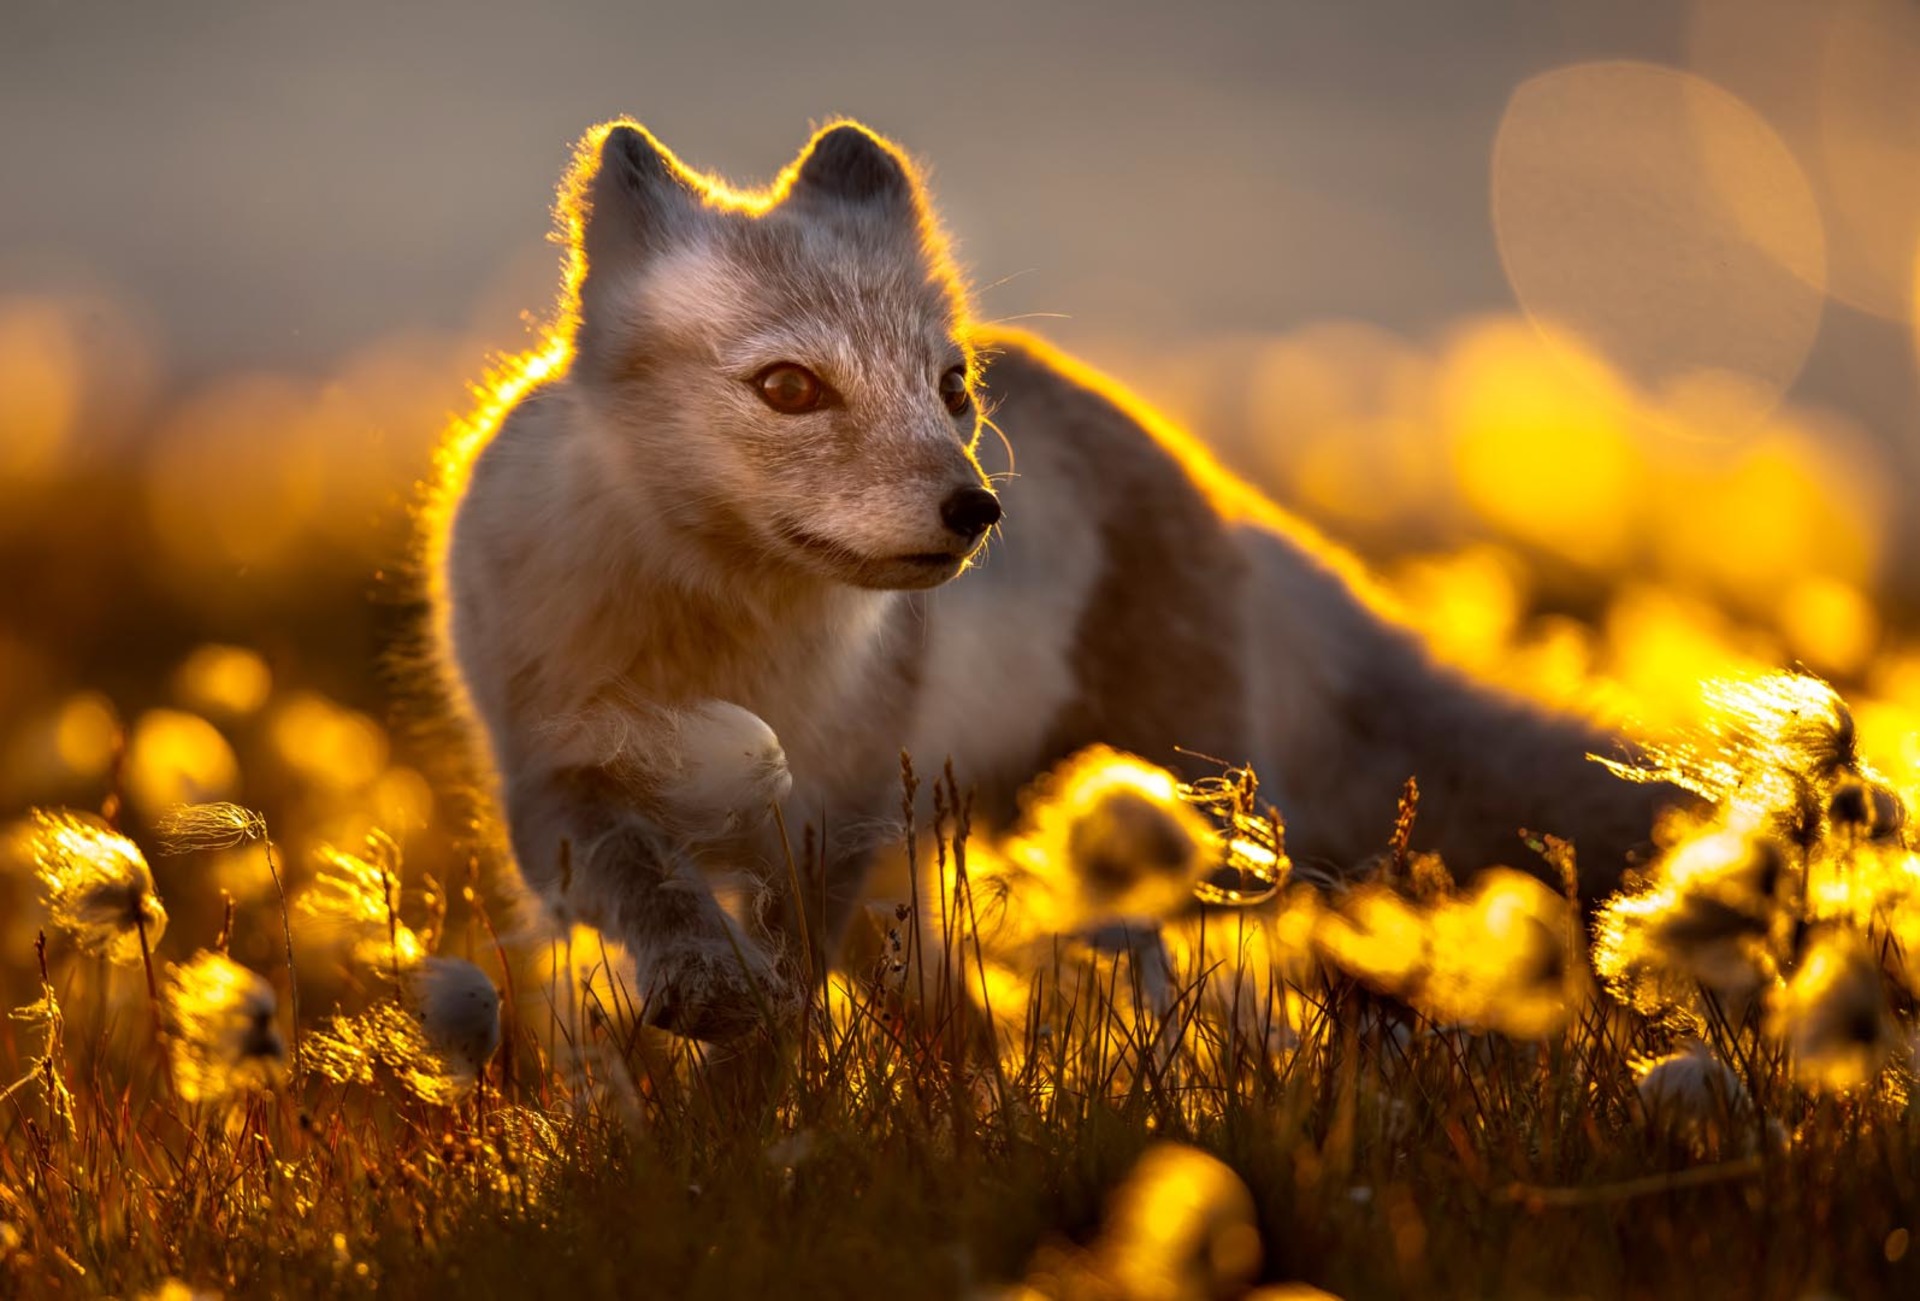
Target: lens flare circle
1658,220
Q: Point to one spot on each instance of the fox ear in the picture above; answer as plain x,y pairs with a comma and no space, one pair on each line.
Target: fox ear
851,165
630,198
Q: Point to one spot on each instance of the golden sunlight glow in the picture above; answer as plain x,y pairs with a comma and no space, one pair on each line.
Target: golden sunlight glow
402,799
1471,600
1829,625
1772,513
86,732
1340,419
1539,452
220,493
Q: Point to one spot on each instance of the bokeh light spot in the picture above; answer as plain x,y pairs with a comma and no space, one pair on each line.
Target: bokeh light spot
1657,218
1540,451
227,680
40,387
85,733
337,748
178,758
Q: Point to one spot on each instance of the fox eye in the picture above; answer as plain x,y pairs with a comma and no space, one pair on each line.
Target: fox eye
953,391
791,390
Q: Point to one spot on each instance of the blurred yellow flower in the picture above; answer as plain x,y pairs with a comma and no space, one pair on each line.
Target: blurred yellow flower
220,1021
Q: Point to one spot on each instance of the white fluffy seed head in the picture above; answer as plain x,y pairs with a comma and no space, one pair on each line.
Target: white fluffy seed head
1114,840
1182,1225
1833,1014
220,1020
458,1009
1690,1086
730,770
1694,1099
97,886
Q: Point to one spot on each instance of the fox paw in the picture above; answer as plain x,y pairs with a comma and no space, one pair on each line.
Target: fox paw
714,990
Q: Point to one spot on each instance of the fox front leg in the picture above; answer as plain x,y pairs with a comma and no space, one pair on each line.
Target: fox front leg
701,974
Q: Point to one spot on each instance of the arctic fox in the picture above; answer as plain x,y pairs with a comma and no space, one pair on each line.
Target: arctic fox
740,512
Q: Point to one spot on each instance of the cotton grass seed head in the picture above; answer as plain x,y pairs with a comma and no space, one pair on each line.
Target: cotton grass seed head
1181,1226
1832,1015
1868,809
459,1011
1693,1098
1711,916
1502,957
187,828
97,886
220,1019
1771,744
1114,840
385,1042
1377,937
358,896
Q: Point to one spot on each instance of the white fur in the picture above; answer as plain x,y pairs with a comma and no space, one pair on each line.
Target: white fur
999,649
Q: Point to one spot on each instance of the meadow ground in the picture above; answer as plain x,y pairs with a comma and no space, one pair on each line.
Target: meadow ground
911,1136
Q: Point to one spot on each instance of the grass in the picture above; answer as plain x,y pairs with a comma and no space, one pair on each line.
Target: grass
884,1147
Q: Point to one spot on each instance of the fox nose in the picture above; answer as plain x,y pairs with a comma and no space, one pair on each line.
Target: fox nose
970,511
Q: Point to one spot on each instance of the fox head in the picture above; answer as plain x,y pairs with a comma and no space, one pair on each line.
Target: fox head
781,375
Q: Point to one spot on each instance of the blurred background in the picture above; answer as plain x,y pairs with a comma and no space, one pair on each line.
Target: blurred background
1591,325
